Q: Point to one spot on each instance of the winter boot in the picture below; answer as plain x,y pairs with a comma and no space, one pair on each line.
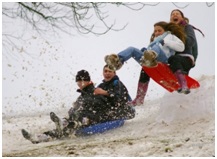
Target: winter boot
149,58
57,122
182,81
74,125
141,92
43,138
28,136
113,61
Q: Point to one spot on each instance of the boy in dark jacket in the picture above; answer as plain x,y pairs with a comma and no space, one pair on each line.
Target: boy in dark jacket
116,96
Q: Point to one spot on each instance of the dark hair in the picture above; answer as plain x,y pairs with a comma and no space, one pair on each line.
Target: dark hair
152,37
178,11
161,24
186,20
175,29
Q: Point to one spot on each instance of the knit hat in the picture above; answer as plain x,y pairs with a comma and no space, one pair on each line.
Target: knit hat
82,75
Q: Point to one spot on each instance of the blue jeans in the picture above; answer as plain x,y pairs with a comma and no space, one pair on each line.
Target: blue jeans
130,52
161,55
137,54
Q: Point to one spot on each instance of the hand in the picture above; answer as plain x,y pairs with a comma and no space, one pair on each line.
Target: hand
143,49
162,42
156,40
100,91
159,39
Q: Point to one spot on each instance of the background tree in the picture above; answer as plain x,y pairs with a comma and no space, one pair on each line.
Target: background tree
67,17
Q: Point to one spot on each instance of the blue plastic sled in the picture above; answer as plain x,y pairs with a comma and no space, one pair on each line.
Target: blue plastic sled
100,128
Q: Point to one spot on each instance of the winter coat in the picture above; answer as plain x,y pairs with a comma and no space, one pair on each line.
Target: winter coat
90,106
168,43
82,106
118,96
191,49
100,108
118,93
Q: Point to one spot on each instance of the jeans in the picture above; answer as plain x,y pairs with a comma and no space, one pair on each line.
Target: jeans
130,52
137,54
161,55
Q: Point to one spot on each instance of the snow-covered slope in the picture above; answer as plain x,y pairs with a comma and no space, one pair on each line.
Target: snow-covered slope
199,103
174,125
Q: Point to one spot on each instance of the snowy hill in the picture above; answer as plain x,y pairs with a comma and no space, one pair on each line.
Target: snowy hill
199,103
174,125
38,76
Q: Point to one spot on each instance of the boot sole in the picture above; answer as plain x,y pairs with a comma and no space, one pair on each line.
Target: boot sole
27,136
56,120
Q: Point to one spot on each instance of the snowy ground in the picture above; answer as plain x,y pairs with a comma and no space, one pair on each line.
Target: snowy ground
174,125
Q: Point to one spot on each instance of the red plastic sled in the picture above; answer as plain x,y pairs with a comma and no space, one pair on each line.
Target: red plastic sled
163,75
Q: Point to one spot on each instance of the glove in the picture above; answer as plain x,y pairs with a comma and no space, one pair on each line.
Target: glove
162,42
143,49
159,39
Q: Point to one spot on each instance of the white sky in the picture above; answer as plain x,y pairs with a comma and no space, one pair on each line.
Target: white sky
48,78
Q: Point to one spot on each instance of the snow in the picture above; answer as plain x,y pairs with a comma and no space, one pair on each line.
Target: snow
173,125
195,105
40,77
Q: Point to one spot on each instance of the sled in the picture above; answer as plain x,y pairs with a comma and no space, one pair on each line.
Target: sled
100,128
162,74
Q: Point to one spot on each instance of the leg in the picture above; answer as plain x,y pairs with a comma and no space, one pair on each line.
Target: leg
125,112
151,57
28,136
35,139
180,66
57,122
141,89
161,56
182,63
182,81
115,61
130,52
129,112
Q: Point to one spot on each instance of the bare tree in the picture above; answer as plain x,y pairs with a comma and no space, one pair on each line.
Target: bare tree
83,17
44,17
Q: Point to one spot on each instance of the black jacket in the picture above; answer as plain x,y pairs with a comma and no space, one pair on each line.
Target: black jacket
116,106
118,93
100,108
191,42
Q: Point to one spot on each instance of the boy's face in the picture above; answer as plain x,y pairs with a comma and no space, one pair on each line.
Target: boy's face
108,74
